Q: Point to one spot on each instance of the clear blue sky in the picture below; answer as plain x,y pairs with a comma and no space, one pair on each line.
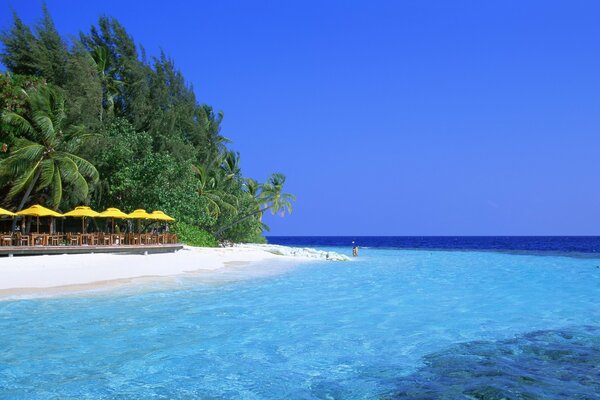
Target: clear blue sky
393,117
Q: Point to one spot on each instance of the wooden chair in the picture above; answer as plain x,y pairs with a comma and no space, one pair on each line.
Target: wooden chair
73,240
22,240
93,239
132,238
104,239
146,239
54,240
7,240
118,239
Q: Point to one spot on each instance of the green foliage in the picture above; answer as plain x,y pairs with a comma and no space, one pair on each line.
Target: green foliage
194,236
40,53
43,155
157,147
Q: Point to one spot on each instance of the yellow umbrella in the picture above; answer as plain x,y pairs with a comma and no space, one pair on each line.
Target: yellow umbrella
83,212
7,213
139,214
39,211
113,213
161,216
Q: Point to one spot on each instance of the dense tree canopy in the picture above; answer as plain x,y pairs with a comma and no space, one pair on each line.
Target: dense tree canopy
96,121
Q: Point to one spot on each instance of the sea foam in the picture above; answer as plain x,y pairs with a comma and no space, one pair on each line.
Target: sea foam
304,252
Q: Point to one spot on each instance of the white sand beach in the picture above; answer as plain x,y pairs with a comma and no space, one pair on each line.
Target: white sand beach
54,274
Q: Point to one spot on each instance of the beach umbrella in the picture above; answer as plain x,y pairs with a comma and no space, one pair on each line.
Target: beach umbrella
139,214
82,212
160,216
39,211
113,213
7,213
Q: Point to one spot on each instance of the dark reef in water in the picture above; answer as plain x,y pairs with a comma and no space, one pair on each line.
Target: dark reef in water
561,364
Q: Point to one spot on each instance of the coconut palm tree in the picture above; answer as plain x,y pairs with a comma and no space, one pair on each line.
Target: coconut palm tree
111,86
43,158
211,187
231,164
271,197
213,143
271,194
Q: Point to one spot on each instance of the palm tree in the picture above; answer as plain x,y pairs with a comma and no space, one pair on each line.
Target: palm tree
43,158
231,164
111,86
211,187
271,197
252,187
213,143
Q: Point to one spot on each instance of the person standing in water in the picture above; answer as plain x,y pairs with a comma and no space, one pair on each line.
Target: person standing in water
354,250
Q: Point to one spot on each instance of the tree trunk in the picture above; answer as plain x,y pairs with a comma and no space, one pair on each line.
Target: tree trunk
223,229
27,194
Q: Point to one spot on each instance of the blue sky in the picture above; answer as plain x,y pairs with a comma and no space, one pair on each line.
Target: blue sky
393,117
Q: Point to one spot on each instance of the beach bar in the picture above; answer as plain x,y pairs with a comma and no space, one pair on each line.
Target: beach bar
131,242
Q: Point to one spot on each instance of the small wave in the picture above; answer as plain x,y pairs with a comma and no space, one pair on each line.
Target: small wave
302,252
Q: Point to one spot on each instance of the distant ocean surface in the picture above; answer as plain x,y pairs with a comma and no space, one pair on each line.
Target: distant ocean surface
553,244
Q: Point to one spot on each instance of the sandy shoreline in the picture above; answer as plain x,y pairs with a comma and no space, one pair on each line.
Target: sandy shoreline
56,274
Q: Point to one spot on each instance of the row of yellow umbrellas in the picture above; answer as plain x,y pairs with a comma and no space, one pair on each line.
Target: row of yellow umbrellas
84,211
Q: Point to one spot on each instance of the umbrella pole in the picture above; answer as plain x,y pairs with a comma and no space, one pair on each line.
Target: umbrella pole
82,224
38,224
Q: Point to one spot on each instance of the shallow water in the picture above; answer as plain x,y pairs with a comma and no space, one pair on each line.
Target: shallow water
392,324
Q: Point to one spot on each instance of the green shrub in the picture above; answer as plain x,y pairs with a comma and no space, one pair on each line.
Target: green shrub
193,236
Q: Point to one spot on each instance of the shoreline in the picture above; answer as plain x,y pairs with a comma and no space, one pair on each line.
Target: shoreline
54,275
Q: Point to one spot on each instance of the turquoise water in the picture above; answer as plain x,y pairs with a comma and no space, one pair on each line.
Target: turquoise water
392,324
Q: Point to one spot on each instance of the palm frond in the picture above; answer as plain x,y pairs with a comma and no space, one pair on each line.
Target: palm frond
84,167
19,123
21,182
45,127
46,175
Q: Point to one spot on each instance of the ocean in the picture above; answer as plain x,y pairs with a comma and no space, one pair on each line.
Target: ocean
410,318
587,246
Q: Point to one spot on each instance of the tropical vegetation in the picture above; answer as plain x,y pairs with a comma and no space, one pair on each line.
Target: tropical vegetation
96,121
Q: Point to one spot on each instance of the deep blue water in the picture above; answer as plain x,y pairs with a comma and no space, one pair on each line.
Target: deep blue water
589,245
391,324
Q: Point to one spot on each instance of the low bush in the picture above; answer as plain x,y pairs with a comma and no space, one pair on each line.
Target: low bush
193,236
